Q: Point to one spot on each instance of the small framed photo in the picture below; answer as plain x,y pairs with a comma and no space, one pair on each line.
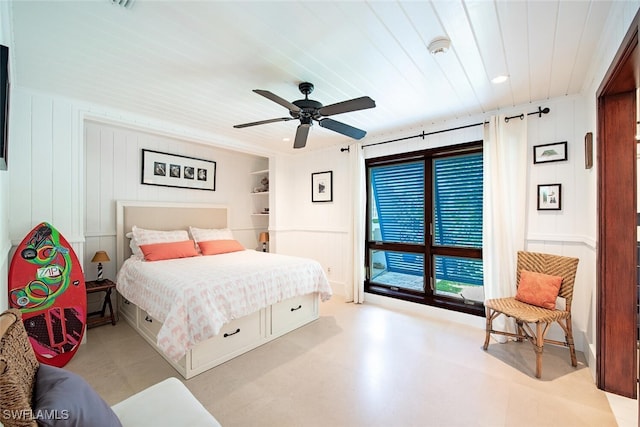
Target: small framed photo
550,197
322,186
548,153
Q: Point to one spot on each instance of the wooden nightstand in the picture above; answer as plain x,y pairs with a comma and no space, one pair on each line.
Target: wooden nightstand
105,286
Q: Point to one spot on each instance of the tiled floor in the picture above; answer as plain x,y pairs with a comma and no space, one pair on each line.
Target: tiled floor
363,365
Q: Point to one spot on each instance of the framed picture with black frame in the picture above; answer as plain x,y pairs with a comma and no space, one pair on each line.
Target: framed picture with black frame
4,107
322,186
549,197
547,153
174,170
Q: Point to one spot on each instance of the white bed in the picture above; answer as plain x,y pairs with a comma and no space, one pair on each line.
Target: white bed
203,322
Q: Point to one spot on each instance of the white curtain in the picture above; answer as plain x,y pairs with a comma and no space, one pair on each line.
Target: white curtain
504,209
355,292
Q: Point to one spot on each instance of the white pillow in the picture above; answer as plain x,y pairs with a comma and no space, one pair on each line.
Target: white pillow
135,250
206,234
143,236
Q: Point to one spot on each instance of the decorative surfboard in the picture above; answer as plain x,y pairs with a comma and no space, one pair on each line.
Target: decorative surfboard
47,284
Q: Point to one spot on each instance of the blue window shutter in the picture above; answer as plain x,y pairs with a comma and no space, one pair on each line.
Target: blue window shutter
458,215
398,192
458,201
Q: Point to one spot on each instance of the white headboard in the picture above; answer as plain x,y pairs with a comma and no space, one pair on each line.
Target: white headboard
163,216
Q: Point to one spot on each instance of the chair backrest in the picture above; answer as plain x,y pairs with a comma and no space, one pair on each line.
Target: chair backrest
554,265
18,367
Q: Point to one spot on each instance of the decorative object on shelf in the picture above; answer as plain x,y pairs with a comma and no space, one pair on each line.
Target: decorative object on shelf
550,197
100,257
588,150
264,239
173,170
322,186
264,186
547,153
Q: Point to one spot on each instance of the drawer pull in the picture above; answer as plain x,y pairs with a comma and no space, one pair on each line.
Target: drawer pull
232,333
148,319
297,308
126,301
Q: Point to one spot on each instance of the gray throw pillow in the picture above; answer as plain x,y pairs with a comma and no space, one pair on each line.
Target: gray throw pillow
62,398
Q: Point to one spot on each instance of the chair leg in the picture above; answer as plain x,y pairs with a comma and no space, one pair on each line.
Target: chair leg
570,343
520,331
489,324
538,349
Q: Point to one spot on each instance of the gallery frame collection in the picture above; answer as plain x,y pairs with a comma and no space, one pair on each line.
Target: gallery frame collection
322,186
174,170
549,196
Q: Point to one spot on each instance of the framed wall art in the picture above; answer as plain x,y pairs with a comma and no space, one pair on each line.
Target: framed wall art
548,153
322,186
4,106
550,197
173,170
588,150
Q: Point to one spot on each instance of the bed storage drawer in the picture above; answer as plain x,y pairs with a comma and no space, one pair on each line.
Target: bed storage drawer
148,325
294,312
127,309
234,338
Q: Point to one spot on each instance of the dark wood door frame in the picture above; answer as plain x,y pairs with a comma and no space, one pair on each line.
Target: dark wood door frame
616,343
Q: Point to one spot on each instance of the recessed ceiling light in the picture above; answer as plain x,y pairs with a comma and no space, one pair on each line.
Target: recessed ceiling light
499,79
439,45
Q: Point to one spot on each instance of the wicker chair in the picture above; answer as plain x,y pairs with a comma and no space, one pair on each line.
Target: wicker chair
526,314
18,367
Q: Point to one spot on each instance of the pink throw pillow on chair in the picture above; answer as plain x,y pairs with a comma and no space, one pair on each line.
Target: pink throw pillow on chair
538,289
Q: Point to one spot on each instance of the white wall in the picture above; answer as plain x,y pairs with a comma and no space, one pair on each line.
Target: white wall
319,230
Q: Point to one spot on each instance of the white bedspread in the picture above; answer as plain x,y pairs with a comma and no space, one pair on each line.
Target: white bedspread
194,297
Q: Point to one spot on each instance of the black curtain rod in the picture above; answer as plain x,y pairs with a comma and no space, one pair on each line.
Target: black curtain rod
422,135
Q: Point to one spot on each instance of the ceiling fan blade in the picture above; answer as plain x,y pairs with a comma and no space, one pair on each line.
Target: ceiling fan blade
301,135
342,128
263,122
275,98
361,103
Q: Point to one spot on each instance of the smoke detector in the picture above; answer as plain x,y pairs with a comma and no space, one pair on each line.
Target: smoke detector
127,4
439,45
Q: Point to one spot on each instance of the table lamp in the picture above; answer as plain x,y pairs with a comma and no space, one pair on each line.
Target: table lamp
100,257
264,238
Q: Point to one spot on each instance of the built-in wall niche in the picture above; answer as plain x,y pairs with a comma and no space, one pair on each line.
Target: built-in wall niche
260,193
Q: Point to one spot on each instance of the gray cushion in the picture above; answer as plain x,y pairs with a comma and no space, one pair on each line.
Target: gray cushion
62,398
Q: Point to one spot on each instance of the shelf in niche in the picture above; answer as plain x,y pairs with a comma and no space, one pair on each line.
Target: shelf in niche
259,193
259,172
260,214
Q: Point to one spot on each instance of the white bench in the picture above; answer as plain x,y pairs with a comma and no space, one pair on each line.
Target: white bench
168,403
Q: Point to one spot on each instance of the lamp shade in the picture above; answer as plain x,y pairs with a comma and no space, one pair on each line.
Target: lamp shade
100,256
264,237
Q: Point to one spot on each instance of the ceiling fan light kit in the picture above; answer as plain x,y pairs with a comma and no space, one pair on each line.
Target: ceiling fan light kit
307,110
